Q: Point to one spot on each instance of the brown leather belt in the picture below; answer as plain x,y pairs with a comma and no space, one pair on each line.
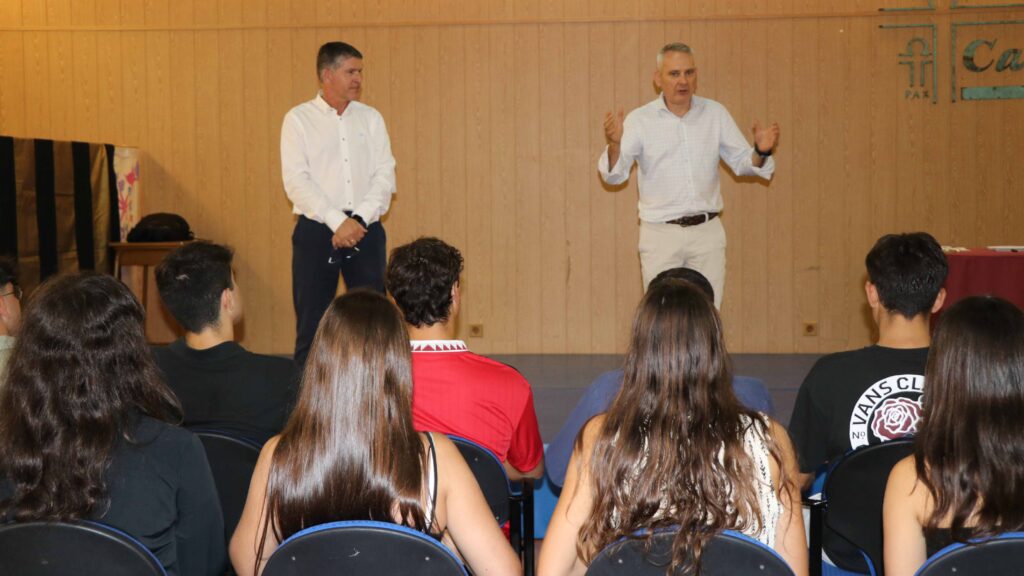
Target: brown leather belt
694,219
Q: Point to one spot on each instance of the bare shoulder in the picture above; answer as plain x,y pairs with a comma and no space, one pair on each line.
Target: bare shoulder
778,433
445,450
270,447
592,428
903,476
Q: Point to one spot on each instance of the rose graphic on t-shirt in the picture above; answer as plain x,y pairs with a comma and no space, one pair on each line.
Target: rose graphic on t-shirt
895,418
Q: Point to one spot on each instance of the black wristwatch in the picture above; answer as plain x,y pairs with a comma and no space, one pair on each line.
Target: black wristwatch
362,222
762,154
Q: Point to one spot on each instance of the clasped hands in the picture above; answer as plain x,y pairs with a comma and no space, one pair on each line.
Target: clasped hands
348,234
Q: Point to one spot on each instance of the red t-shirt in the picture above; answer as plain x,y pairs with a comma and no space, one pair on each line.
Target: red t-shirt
457,392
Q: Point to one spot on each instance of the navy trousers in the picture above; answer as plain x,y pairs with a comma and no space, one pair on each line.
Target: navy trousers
315,268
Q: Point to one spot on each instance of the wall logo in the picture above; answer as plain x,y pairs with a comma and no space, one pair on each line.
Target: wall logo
986,58
919,58
889,409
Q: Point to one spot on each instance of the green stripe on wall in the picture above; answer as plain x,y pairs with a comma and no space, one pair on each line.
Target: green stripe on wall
992,93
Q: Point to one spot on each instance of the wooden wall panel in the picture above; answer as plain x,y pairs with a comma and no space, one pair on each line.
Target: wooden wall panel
526,242
13,117
501,325
580,187
603,275
495,109
550,270
478,302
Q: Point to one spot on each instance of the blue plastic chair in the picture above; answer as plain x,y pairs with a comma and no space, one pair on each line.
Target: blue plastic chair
510,502
362,547
82,548
232,460
850,511
727,554
1002,554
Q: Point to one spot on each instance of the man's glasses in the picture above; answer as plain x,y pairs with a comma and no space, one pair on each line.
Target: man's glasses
15,290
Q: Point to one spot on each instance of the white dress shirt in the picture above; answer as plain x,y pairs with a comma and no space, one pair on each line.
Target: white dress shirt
678,158
331,164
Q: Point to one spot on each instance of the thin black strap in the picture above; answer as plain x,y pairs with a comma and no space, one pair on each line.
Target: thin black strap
433,464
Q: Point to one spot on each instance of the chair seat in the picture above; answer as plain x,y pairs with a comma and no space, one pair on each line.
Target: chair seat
362,547
1002,554
728,554
79,549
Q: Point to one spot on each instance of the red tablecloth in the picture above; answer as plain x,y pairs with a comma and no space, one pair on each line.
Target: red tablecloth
984,271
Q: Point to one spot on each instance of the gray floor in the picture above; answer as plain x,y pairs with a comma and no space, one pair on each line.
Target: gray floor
559,380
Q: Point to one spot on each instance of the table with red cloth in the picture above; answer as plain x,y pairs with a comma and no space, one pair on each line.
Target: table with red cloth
985,271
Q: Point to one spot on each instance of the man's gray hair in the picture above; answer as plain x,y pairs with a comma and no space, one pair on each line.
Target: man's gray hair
673,47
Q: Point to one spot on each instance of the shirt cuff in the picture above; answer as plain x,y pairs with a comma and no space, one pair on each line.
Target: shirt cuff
766,170
334,219
603,168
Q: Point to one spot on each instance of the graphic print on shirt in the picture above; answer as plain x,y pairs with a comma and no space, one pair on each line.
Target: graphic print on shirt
889,409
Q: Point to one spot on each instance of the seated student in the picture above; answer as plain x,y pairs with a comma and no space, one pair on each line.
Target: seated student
85,422
599,395
220,384
676,448
349,451
871,395
966,477
10,309
458,392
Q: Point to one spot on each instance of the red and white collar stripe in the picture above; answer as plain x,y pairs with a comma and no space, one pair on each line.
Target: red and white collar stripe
439,346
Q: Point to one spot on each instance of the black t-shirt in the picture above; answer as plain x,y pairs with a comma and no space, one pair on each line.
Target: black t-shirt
855,398
229,388
161,492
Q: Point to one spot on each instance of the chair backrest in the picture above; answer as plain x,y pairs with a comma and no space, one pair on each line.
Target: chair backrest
1001,554
232,460
854,489
728,554
78,548
490,475
362,547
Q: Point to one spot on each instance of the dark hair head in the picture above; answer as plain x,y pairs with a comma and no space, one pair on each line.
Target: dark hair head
349,450
688,274
191,280
8,270
970,444
80,373
333,53
908,271
673,437
420,277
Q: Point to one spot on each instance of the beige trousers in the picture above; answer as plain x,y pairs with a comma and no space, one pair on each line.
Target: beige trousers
701,247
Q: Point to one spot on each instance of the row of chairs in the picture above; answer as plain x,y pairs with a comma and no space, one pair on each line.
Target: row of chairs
849,511
367,547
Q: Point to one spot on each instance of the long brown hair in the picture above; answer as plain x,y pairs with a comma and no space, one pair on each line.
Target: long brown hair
80,374
349,450
670,451
970,447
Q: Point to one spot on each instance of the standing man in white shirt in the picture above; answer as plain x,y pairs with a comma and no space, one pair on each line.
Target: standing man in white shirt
677,141
339,174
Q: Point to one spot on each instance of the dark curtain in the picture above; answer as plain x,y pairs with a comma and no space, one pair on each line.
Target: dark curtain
58,211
